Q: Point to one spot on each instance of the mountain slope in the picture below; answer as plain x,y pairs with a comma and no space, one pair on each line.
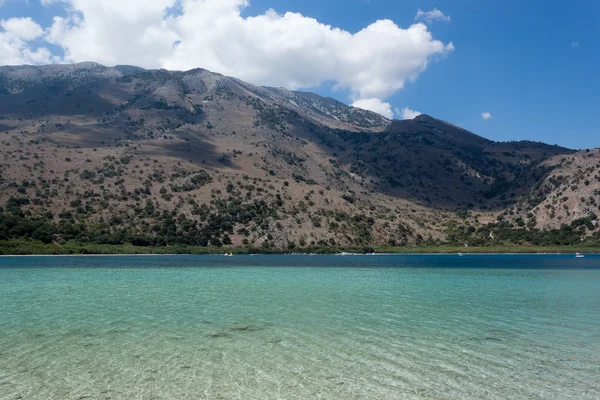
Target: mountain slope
439,164
202,158
568,195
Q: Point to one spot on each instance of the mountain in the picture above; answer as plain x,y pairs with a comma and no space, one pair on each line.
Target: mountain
153,156
439,164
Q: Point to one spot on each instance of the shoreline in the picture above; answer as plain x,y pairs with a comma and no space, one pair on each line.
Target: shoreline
35,248
303,254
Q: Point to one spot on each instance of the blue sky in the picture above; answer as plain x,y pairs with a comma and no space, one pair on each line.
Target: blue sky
533,65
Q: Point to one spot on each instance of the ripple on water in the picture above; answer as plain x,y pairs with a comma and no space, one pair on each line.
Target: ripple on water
299,333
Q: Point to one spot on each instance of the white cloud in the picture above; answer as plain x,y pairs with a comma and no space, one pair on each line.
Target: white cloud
431,16
486,115
22,28
16,35
407,113
273,49
375,105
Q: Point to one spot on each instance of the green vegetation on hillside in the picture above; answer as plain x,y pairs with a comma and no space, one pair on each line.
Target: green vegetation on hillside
162,232
505,233
207,227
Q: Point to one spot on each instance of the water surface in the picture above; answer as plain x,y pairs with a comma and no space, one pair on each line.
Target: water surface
300,327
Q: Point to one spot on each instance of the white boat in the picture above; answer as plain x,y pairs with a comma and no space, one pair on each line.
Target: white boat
228,254
579,255
460,254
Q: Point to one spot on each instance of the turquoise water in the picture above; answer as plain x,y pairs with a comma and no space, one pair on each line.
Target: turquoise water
300,327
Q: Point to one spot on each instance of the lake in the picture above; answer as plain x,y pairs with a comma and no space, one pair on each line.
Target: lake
300,327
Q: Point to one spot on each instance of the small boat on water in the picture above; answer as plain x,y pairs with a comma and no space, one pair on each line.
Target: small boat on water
579,255
460,254
228,254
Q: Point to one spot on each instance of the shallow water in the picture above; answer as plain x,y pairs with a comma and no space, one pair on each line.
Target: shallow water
300,327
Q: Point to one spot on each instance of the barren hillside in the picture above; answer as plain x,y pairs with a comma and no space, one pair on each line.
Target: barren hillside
569,194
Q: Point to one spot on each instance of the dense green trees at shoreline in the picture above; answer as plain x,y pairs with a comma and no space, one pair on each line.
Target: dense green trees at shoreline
32,247
169,233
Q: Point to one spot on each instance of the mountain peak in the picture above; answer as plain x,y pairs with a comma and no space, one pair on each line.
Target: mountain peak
424,118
